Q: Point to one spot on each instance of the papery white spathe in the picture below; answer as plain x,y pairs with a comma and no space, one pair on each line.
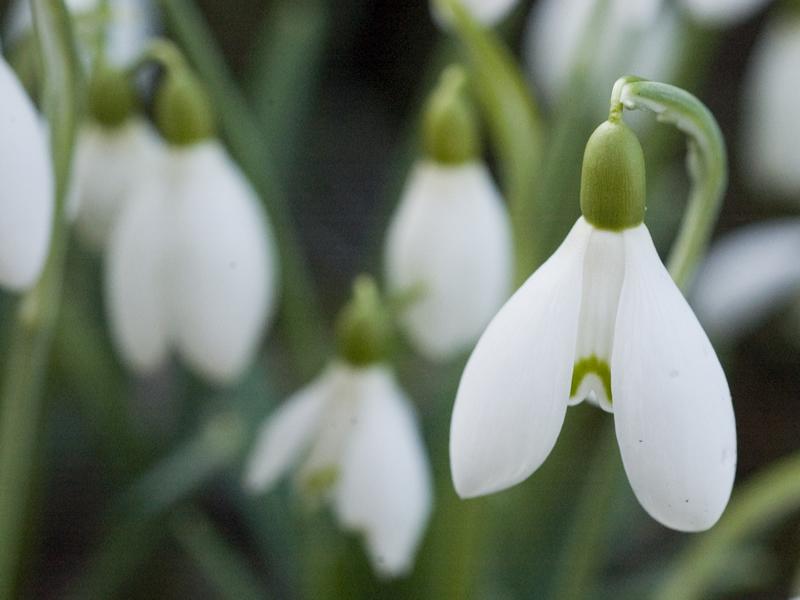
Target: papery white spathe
191,266
772,95
450,240
109,164
487,12
746,275
26,202
722,13
354,429
602,296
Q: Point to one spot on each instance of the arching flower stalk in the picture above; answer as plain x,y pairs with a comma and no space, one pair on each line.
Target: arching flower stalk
352,437
603,321
26,203
449,242
487,12
191,260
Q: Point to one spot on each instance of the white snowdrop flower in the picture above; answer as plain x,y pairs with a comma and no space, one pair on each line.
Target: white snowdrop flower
352,436
191,266
26,203
723,13
449,242
487,12
602,320
772,94
747,275
109,163
638,37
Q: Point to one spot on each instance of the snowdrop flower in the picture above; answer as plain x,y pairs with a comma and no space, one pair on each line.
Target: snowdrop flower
487,12
772,94
747,275
190,265
352,438
26,203
722,13
602,321
450,237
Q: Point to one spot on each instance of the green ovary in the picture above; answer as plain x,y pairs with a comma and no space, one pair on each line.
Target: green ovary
585,366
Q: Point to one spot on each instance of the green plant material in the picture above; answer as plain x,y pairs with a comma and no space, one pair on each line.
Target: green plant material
364,328
515,129
218,561
450,125
585,366
762,502
37,313
301,319
111,96
182,109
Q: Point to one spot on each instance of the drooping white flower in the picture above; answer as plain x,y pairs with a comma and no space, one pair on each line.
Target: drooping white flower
450,240
109,163
722,13
352,436
602,320
487,12
26,202
191,266
746,275
772,94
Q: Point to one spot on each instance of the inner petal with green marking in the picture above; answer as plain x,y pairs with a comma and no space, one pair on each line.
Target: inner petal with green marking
591,380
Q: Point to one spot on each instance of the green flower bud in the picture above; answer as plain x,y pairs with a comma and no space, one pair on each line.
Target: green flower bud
112,97
613,178
183,111
450,125
364,329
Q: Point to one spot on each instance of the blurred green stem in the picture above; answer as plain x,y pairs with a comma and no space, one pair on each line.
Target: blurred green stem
301,319
38,310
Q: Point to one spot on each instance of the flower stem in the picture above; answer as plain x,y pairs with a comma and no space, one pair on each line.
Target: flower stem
37,313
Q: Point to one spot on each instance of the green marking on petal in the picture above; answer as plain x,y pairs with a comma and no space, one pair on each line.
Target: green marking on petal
585,366
319,481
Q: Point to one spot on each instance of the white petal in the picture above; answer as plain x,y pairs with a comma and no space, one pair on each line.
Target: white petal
385,485
134,280
287,433
772,95
672,406
26,202
223,282
722,13
109,164
513,394
746,275
451,239
487,12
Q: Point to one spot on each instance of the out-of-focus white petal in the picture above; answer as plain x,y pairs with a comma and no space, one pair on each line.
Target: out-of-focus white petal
513,394
109,164
722,13
223,279
672,406
384,489
746,275
287,433
451,239
772,95
26,201
487,12
136,272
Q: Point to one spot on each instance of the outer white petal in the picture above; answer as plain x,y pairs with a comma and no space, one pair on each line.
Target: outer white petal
772,95
746,275
287,433
222,260
109,164
513,394
672,406
487,12
136,271
385,485
722,13
451,239
26,200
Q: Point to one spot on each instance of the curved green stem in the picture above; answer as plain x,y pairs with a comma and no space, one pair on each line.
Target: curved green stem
38,310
